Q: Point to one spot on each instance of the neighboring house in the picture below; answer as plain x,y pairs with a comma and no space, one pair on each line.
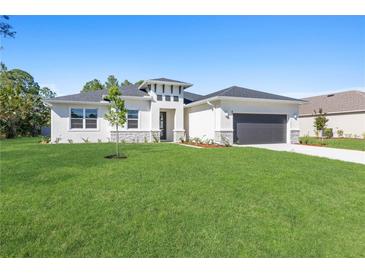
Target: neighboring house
344,110
161,109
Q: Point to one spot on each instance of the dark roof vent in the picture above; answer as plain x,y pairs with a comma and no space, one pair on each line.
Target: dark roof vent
330,95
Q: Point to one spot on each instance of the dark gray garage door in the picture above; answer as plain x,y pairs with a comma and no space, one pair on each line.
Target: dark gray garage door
259,128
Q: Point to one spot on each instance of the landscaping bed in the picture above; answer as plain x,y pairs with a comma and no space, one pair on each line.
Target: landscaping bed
212,145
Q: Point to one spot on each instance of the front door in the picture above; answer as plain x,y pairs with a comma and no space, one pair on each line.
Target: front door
162,125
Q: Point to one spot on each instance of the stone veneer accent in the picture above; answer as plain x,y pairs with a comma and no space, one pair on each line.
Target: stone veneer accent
132,136
223,136
179,135
294,136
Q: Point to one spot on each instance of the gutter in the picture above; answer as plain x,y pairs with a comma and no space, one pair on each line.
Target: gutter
50,102
242,99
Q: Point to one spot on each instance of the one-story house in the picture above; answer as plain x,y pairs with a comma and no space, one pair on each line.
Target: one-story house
162,110
345,112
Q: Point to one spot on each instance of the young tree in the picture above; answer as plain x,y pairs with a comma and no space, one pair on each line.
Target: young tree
92,85
117,112
320,121
111,81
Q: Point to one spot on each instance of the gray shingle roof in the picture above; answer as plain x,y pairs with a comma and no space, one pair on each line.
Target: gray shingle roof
97,96
346,101
168,80
191,97
240,92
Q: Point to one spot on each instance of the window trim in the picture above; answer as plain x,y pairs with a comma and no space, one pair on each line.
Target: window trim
83,119
135,119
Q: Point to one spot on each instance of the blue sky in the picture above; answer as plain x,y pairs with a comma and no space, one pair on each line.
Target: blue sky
296,56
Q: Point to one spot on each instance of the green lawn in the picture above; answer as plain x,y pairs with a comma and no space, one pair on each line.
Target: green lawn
346,143
167,200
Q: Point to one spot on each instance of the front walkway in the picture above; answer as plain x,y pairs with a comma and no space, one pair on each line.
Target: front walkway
347,155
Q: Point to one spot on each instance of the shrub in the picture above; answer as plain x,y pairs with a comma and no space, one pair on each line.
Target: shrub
305,140
70,141
99,141
57,140
340,133
86,140
225,141
328,133
155,137
45,140
363,135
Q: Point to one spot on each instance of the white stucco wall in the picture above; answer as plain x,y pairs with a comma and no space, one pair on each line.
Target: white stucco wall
60,122
353,124
201,121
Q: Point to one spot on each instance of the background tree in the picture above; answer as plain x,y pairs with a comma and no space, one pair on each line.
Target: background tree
320,121
117,112
125,83
138,83
6,30
22,109
111,81
92,85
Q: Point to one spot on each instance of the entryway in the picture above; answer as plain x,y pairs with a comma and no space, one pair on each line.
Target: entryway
167,117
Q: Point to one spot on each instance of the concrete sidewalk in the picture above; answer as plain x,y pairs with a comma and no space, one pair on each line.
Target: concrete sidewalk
347,155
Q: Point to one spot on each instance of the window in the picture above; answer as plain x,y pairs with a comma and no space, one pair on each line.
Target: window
167,98
163,88
172,89
78,115
149,87
159,97
132,118
176,98
91,116
179,89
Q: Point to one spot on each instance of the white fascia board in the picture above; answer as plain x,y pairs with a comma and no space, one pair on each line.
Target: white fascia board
144,98
146,82
241,99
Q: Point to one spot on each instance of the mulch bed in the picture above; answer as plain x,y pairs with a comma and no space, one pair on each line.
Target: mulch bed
203,145
114,156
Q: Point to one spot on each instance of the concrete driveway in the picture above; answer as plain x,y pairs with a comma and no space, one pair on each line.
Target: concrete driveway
347,155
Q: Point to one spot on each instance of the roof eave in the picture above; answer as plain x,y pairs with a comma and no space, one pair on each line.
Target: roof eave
243,99
146,82
102,102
